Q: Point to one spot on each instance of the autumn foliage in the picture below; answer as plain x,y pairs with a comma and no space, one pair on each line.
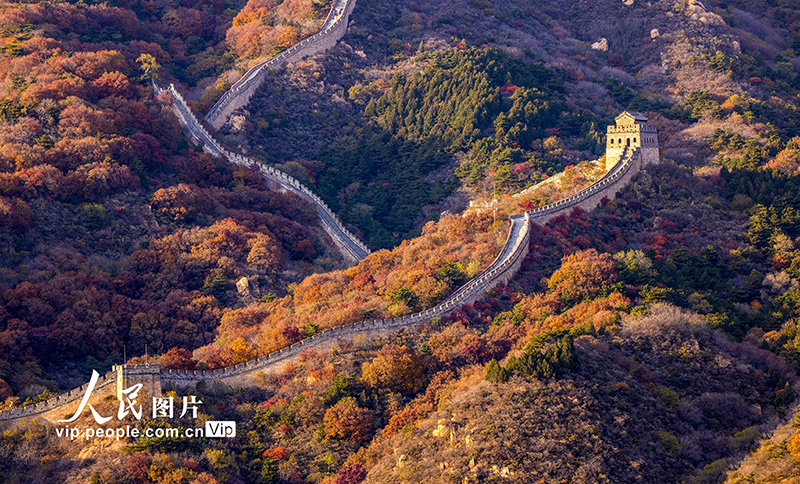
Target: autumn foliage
138,239
367,291
346,420
583,274
394,368
264,27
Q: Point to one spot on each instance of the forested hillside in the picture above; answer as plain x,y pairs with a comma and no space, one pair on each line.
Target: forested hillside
651,340
115,232
359,125
395,160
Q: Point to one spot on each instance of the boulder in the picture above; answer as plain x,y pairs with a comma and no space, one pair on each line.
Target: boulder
601,44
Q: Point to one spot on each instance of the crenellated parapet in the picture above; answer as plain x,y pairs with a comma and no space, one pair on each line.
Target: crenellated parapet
347,242
106,382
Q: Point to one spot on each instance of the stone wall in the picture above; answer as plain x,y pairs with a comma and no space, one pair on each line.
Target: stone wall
350,246
590,197
651,154
501,270
345,240
65,403
238,96
149,376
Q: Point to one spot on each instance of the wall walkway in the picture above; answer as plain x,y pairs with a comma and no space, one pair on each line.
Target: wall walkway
350,246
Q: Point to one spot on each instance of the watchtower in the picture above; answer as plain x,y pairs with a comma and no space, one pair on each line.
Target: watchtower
631,131
148,375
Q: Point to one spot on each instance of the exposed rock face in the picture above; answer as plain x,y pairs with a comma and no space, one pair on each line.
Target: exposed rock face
654,34
443,431
247,290
237,122
695,10
601,44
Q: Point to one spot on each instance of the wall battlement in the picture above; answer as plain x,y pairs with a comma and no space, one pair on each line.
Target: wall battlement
632,129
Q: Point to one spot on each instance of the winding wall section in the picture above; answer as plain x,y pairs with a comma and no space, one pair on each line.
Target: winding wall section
242,90
503,268
500,270
350,246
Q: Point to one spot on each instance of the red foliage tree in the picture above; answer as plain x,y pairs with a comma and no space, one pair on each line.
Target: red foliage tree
353,474
177,359
346,420
278,453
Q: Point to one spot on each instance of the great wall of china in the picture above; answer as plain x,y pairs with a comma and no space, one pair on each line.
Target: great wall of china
350,246
502,269
242,90
624,165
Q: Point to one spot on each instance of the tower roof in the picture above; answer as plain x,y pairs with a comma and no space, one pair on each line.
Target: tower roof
627,117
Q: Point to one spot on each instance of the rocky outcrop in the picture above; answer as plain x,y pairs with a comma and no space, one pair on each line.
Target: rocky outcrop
601,44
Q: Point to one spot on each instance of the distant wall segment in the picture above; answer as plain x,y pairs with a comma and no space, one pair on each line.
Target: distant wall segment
238,96
349,245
